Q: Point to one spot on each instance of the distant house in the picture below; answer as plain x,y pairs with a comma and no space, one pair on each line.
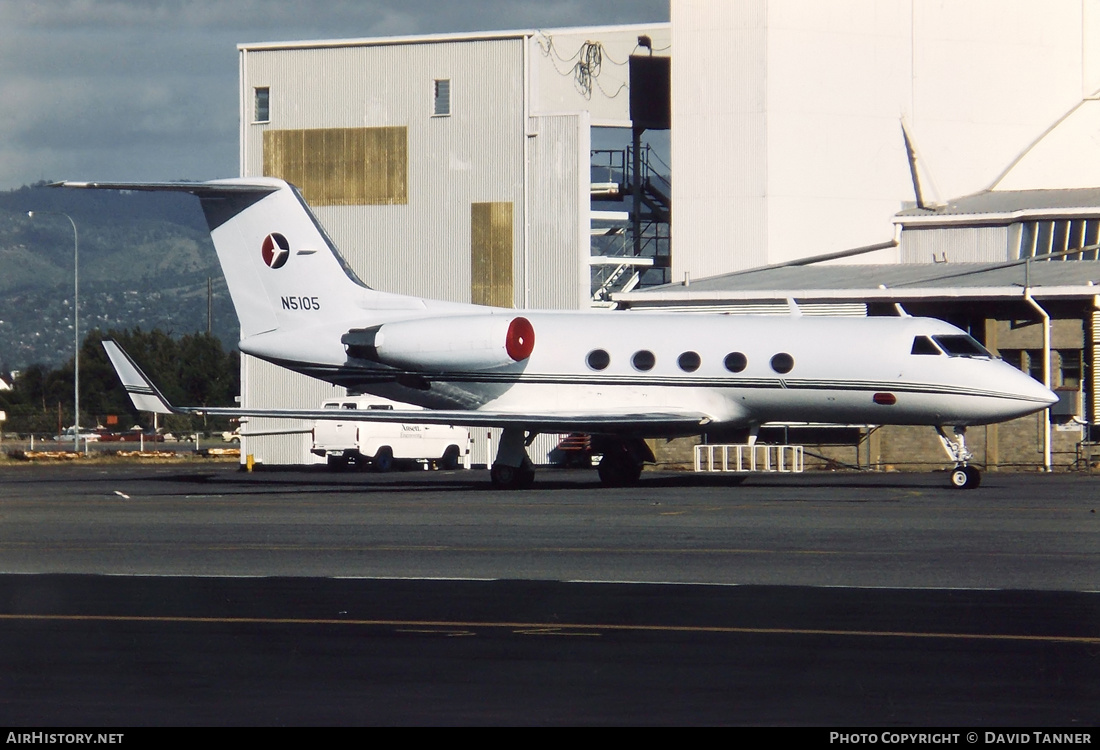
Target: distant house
4,385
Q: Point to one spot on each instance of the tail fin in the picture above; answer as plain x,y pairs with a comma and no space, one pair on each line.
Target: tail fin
282,269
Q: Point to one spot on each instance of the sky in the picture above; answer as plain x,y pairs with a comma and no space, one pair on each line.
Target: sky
131,90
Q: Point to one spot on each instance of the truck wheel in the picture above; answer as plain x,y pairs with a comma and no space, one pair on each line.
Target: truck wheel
383,459
449,462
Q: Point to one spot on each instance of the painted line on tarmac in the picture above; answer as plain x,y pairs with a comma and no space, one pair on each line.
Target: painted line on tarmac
446,627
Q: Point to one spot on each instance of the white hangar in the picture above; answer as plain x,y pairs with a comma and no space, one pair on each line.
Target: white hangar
454,167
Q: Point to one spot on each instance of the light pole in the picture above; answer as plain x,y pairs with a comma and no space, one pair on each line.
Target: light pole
76,324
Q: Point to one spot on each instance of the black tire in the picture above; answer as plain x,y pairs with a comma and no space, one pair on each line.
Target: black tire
449,462
965,478
975,478
512,477
505,477
619,470
383,460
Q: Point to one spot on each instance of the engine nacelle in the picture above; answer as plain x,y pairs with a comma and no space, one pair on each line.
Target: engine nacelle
471,342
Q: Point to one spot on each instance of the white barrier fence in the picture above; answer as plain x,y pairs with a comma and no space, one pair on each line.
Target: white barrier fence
749,458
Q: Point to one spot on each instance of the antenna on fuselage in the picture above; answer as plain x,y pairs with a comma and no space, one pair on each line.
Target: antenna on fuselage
796,311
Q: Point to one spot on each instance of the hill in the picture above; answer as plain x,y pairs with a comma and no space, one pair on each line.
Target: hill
145,260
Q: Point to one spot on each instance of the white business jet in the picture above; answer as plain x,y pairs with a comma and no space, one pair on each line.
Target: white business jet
619,376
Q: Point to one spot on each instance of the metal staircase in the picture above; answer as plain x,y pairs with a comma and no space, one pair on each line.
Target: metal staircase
631,222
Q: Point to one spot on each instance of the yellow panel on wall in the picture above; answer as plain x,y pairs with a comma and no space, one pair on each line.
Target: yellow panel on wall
342,166
491,254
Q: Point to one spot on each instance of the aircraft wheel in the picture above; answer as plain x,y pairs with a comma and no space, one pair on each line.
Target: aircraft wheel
383,459
619,470
965,478
512,477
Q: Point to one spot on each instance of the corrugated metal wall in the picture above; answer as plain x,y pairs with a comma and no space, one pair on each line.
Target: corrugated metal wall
560,207
279,441
473,155
962,245
554,58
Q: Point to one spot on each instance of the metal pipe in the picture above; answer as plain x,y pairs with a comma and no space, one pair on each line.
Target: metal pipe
1047,463
76,324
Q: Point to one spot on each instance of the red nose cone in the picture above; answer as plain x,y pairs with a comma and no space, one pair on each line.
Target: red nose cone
886,399
521,339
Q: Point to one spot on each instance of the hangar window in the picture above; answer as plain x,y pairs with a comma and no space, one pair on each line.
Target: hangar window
924,345
598,359
736,362
643,360
262,111
1014,357
782,363
1069,370
1036,238
1035,364
441,98
689,361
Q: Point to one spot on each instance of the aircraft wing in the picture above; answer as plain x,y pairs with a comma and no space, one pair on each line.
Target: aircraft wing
147,397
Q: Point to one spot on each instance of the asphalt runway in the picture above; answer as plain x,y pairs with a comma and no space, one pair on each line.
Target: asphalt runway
201,595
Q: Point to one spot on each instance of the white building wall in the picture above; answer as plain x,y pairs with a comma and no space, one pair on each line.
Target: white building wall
836,160
555,87
474,155
279,441
986,244
559,210
825,85
719,136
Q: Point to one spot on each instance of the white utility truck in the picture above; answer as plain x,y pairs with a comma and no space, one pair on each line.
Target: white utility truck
348,443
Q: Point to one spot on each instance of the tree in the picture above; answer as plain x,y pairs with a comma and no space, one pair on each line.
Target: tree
194,370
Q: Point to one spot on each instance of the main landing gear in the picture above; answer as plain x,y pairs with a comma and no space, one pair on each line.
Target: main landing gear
963,476
621,465
622,461
512,469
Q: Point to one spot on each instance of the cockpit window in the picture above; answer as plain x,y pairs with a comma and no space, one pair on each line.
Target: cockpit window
961,346
924,345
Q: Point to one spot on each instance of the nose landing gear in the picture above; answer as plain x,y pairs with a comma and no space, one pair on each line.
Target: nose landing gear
963,476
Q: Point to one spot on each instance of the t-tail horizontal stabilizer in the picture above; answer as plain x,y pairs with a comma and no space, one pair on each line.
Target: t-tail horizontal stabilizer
143,393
